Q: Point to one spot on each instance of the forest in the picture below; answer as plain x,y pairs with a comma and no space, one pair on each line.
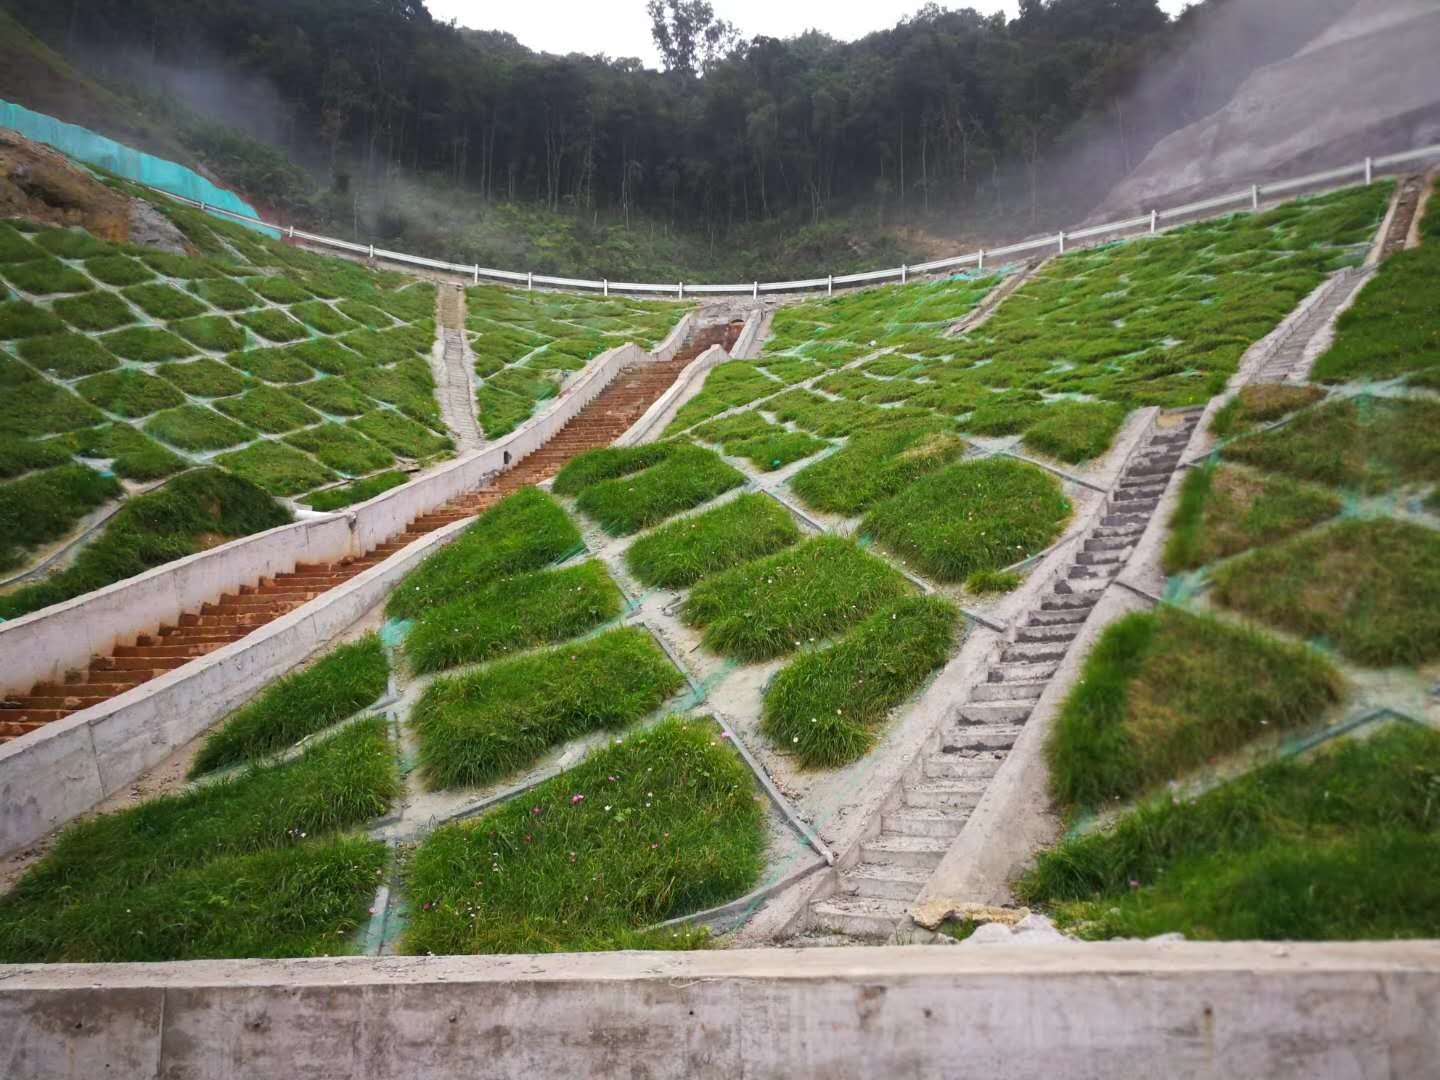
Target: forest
379,119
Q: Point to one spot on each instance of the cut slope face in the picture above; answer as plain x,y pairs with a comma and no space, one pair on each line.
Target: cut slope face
1368,85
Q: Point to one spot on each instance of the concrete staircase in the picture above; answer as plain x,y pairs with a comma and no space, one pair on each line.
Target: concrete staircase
232,616
933,801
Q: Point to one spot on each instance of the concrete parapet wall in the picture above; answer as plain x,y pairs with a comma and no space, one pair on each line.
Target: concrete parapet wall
1112,1011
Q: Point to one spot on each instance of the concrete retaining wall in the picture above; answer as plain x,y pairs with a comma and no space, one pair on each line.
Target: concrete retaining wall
70,766
1114,1011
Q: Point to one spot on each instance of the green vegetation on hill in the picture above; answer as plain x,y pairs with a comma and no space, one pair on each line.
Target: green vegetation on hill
684,551
256,866
191,512
44,506
477,728
662,823
1163,694
1321,849
826,705
339,685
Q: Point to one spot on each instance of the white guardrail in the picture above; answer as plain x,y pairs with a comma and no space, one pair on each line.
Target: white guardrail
1249,198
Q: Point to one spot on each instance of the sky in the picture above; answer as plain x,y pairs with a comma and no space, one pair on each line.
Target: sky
621,27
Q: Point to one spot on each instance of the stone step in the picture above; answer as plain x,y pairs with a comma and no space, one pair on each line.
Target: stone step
1117,520
1093,573
1128,533
1067,617
1033,653
1007,691
1079,591
165,651
1099,558
65,702
979,766
1127,497
919,851
1108,546
981,714
929,822
953,796
1022,672
34,717
884,881
1067,602
860,917
981,737
1040,635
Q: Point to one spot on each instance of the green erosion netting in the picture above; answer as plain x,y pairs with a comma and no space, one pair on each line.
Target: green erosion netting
84,145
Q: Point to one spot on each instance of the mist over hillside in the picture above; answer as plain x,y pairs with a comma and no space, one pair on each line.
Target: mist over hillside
745,158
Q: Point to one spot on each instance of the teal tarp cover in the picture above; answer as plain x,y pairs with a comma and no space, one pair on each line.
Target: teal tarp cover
84,145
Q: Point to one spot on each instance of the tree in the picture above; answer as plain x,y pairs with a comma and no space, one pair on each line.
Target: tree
689,36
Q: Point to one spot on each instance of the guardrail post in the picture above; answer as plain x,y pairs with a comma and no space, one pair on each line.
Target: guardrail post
292,232
982,259
202,203
1062,241
607,286
904,274
529,280
830,286
755,290
477,273
1254,196
682,290
372,252
1369,171
1154,222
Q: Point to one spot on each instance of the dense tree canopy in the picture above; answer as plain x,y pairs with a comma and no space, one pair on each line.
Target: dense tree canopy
949,112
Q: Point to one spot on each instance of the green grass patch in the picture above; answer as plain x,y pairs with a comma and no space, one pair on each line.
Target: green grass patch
321,316
131,454
357,491
983,515
94,311
1325,848
668,825
194,427
22,319
129,393
772,606
45,277
688,477
44,506
875,466
765,445
147,345
681,553
1075,431
501,412
328,356
1369,588
339,685
727,386
252,867
19,456
185,267
273,325
1392,328
269,410
335,397
118,270
364,314
204,378
401,435
70,243
825,707
590,468
1368,445
181,518
225,294
409,386
521,612
989,582
1224,511
276,468
15,248
1162,694
163,301
214,333
342,449
526,531
280,290
474,729
1261,403
272,365
68,355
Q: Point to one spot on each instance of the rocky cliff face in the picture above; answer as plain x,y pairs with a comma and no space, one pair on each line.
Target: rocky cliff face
1369,84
